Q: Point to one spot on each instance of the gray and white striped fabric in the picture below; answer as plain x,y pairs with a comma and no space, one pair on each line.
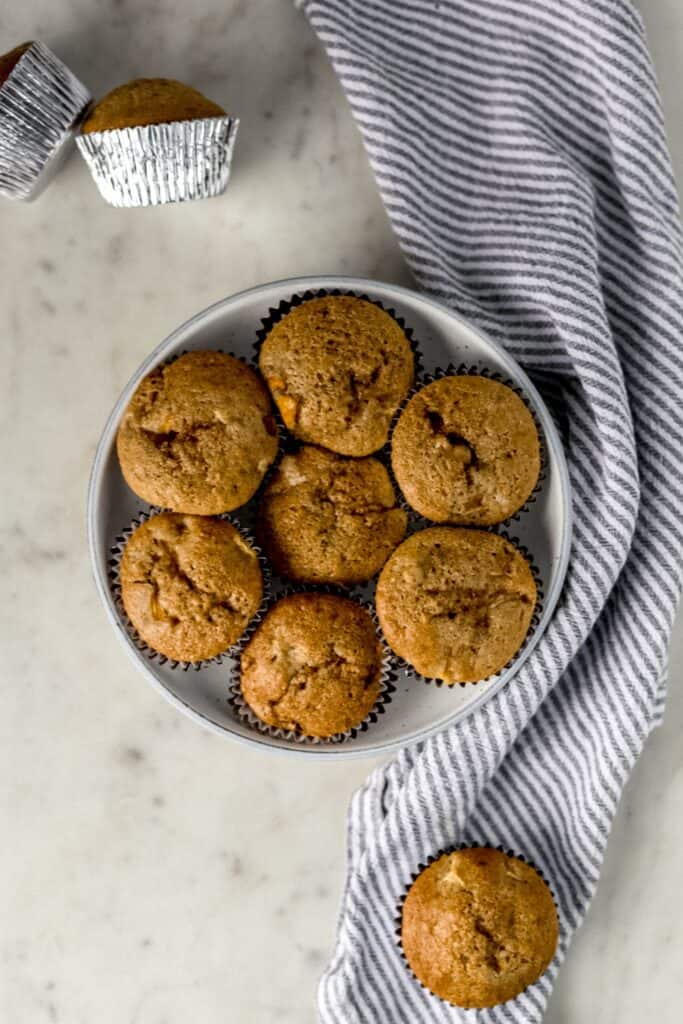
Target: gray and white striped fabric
518,146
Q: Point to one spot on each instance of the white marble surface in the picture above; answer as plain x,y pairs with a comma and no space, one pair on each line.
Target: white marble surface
151,873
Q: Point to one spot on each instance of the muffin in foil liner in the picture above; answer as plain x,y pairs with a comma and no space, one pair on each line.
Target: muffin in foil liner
41,103
161,163
250,718
114,572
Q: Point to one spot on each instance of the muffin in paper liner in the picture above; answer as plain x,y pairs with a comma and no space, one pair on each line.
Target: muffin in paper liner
114,574
387,677
455,848
288,446
415,519
533,625
41,102
285,306
247,511
161,163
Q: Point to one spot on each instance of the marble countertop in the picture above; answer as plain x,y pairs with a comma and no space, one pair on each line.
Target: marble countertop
153,873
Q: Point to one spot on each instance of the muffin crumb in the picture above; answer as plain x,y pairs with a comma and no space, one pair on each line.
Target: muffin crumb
313,665
484,939
198,435
146,101
328,519
456,604
338,367
466,450
189,585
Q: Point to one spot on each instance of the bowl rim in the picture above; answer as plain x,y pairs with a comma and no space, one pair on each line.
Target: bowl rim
98,557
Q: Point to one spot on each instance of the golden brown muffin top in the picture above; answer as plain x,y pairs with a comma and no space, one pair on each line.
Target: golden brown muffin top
313,665
189,585
478,927
198,434
456,604
149,101
338,368
466,450
327,519
8,61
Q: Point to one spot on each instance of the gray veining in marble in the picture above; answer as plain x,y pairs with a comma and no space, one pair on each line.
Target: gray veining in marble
152,873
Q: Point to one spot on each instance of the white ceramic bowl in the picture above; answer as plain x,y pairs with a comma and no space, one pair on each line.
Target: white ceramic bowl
417,709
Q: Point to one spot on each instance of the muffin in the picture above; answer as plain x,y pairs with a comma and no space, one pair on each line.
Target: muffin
338,368
41,102
189,585
149,101
155,140
478,927
313,665
456,604
466,450
327,519
198,435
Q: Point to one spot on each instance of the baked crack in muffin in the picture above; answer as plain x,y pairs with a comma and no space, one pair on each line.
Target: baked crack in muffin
478,927
466,450
456,604
338,368
313,665
198,435
189,585
324,518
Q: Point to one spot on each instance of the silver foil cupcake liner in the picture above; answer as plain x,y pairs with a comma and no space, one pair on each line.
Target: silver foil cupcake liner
41,102
398,919
114,573
387,677
285,306
417,521
161,163
533,625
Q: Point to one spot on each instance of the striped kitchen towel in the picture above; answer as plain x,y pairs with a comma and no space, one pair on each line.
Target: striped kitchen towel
519,148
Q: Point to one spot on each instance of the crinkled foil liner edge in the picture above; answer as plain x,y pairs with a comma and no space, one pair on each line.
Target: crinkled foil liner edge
161,163
114,576
533,625
455,848
387,676
40,103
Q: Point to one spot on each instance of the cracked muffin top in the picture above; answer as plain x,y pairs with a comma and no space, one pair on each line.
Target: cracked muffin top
324,518
478,927
466,450
149,101
456,604
198,435
313,665
338,368
189,585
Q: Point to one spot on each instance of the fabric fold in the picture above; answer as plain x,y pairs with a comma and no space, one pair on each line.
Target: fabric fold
520,153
